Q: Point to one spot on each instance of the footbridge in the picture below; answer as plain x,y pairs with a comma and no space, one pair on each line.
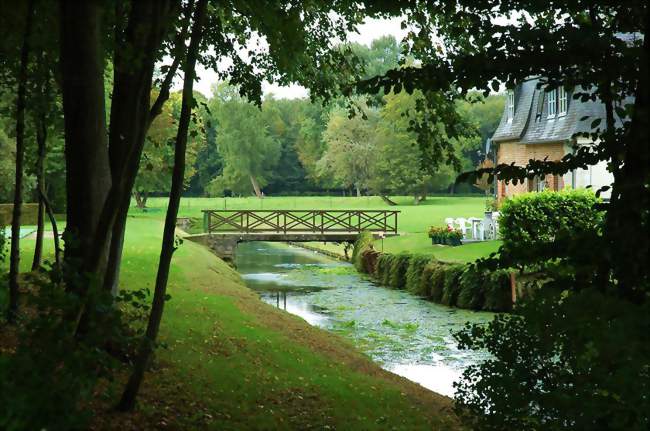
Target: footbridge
224,229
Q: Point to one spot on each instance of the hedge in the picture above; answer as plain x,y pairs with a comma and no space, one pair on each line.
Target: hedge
414,275
28,216
531,218
460,285
437,282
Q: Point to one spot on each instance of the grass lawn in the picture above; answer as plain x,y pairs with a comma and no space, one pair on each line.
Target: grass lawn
233,362
413,221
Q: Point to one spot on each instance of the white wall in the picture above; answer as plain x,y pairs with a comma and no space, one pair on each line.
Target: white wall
595,176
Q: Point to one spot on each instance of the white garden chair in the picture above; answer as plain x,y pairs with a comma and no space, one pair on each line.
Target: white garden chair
462,226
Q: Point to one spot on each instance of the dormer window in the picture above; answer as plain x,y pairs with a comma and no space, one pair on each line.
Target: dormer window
510,106
563,102
552,103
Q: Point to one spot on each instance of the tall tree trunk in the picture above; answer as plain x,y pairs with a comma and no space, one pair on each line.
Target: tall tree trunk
358,190
256,187
131,116
139,202
127,401
627,213
88,176
14,261
41,136
55,230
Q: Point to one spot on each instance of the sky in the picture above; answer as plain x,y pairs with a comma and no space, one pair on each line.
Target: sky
371,29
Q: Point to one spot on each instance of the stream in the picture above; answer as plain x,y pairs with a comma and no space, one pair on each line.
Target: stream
401,332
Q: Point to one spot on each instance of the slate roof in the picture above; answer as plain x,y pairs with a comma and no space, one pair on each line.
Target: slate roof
531,123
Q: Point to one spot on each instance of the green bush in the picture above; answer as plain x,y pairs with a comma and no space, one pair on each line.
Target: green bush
450,287
363,242
538,217
437,282
498,296
424,284
472,283
414,275
383,269
398,267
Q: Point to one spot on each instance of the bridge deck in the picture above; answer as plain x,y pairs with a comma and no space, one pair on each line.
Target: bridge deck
290,236
345,224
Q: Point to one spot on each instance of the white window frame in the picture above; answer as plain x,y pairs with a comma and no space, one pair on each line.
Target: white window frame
563,102
552,103
510,107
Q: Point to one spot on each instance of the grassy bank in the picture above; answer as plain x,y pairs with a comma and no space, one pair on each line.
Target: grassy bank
233,362
413,221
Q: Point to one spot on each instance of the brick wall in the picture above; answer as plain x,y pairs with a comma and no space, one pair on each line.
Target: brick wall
520,154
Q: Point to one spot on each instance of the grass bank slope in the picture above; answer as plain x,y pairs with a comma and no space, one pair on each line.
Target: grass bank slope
232,362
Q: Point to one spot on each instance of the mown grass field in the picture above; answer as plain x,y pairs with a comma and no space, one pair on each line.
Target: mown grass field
233,362
413,220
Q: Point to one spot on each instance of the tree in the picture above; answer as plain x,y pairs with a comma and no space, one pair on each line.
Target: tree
127,402
249,153
351,149
309,143
14,257
555,363
484,113
158,153
400,167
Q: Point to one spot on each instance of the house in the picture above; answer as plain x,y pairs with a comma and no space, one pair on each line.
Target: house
536,125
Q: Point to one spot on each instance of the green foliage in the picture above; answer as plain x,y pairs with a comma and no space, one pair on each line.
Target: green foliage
445,235
566,370
415,273
382,274
437,282
157,160
250,154
424,283
471,284
52,372
497,291
533,218
397,273
363,243
450,288
351,149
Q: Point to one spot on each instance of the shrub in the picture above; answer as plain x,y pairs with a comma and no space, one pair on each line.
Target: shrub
538,217
437,282
414,275
383,269
363,242
450,286
398,266
471,284
497,291
424,284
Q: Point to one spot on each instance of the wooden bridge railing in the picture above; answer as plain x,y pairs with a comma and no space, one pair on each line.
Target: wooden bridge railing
294,221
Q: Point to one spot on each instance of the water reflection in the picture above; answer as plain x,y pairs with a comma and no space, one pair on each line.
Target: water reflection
404,334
